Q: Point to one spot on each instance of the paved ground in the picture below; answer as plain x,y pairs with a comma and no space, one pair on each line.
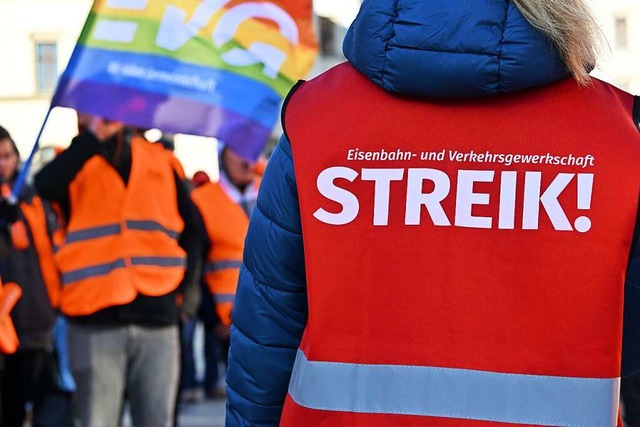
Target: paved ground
206,414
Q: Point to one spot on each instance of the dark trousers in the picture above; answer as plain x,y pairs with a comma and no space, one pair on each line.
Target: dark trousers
630,392
56,410
214,349
27,378
188,378
212,354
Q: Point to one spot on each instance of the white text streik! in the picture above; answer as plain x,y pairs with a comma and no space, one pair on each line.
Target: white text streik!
535,197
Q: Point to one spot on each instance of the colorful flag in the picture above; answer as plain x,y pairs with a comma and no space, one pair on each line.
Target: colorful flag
215,68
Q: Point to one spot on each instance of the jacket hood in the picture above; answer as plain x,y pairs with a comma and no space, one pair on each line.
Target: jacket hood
450,48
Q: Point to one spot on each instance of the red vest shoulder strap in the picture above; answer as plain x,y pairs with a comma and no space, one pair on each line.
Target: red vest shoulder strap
308,99
310,103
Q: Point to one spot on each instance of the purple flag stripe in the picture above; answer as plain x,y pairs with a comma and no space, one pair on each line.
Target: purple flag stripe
169,114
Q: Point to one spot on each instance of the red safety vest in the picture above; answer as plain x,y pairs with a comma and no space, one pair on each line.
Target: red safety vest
465,259
121,241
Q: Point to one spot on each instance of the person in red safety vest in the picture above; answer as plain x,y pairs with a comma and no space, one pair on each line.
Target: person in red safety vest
445,229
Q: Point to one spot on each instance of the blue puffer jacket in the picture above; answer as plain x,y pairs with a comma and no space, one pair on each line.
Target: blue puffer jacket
443,48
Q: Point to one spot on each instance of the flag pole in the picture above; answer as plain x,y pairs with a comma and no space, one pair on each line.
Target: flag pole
22,177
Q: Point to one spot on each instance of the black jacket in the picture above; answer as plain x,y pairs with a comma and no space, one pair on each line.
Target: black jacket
33,315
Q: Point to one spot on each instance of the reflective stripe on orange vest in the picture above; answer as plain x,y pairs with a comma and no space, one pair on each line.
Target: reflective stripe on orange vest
113,229
105,269
152,226
160,261
454,393
92,233
212,267
225,298
92,271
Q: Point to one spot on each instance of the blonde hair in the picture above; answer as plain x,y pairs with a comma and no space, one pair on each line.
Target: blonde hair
572,27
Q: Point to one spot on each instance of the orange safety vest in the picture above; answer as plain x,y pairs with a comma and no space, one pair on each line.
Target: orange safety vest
465,259
121,240
227,226
9,296
35,215
36,229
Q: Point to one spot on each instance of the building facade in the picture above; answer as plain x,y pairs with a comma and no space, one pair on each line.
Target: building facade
620,23
37,38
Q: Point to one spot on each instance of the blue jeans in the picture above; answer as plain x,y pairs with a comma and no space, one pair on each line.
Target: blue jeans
188,378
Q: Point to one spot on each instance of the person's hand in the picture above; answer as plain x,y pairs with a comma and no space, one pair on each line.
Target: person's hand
104,129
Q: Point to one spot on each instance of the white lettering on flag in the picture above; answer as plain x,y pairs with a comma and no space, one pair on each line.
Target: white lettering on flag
110,30
127,4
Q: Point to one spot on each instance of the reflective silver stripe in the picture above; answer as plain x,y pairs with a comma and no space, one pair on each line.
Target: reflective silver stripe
92,233
152,226
213,267
113,229
222,298
104,269
159,261
455,393
90,272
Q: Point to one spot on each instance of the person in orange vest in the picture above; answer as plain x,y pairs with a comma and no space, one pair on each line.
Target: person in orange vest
225,206
133,246
443,233
189,392
10,294
27,259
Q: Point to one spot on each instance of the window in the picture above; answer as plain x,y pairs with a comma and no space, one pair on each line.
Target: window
46,66
622,32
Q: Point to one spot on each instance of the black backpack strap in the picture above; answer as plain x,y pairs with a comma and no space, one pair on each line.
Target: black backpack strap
636,111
